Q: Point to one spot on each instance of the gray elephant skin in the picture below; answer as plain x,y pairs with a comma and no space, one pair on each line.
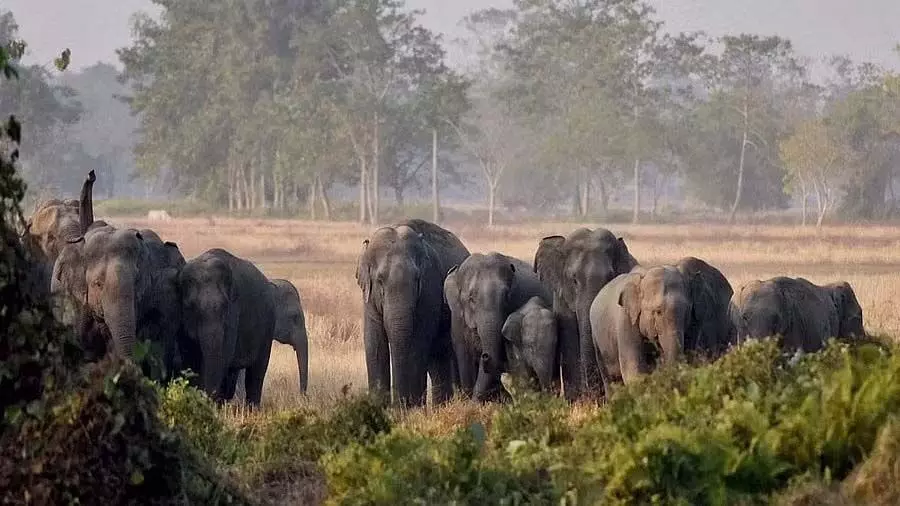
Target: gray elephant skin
576,268
406,322
805,315
290,325
229,316
482,292
119,289
647,316
532,351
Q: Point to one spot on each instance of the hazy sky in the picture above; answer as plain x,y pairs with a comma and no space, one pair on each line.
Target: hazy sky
865,29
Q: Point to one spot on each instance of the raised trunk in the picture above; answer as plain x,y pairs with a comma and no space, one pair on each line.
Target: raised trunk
86,203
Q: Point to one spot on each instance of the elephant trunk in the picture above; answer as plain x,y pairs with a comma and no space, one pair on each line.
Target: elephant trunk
493,359
301,347
118,303
408,367
592,382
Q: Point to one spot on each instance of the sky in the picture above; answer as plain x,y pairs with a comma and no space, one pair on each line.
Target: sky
867,30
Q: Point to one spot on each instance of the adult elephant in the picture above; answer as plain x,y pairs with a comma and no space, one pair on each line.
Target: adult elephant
57,222
406,322
532,351
656,314
229,315
119,294
576,268
482,292
802,313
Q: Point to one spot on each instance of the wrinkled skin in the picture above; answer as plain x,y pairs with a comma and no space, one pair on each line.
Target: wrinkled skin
648,316
711,331
576,268
532,345
482,292
406,322
163,322
805,315
290,325
229,316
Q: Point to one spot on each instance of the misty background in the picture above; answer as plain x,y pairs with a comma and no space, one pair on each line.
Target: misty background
585,110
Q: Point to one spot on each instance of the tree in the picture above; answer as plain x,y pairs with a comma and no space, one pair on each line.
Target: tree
747,77
814,161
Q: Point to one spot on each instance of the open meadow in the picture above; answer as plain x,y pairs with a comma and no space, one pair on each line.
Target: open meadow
319,258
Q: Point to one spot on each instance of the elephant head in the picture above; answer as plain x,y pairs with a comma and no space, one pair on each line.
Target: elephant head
850,314
575,268
658,302
105,272
290,325
484,290
531,344
710,330
207,290
759,311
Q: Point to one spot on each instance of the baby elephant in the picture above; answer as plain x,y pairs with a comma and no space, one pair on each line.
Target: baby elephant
531,345
290,325
802,313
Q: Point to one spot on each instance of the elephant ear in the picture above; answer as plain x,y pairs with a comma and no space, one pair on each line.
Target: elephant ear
512,329
451,290
70,273
624,262
549,261
630,298
364,272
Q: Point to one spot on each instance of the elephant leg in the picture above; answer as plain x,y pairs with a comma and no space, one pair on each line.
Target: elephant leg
229,384
442,364
570,357
378,356
256,375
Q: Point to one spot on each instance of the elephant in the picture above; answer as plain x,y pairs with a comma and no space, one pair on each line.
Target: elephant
575,268
531,340
290,326
656,314
803,314
406,321
57,222
229,317
482,292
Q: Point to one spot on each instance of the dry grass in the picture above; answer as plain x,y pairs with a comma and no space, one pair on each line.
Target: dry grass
319,258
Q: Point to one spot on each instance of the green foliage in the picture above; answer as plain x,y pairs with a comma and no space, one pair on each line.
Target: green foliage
741,430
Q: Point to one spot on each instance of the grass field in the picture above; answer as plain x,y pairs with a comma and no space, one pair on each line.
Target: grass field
319,258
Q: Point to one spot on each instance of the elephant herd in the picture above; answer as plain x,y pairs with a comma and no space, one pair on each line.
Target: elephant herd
215,314
584,316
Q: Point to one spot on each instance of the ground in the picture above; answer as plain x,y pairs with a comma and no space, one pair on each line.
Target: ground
319,258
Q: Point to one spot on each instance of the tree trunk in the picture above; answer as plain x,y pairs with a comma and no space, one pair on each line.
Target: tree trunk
803,208
326,204
398,196
636,212
262,190
585,197
376,161
363,184
604,197
740,182
824,209
492,191
312,199
435,196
